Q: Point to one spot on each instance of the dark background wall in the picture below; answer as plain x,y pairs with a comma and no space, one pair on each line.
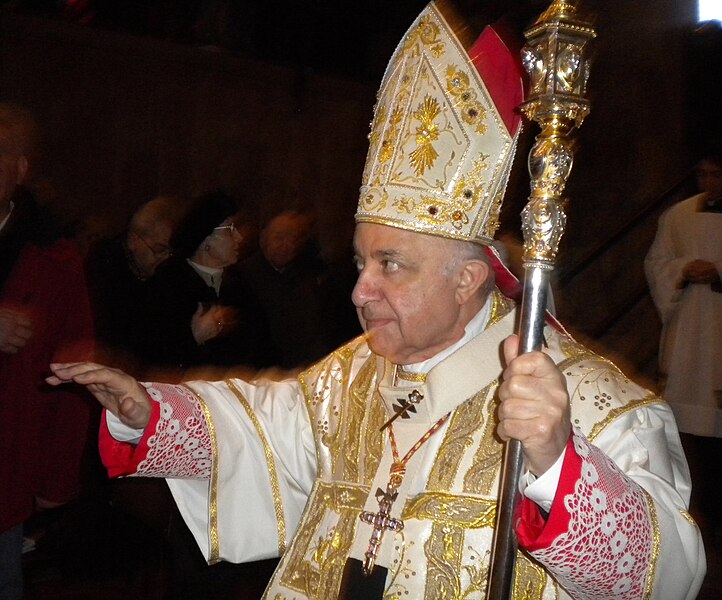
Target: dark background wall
277,109
126,118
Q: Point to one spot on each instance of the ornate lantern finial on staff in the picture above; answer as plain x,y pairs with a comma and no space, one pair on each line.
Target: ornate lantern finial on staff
558,69
556,60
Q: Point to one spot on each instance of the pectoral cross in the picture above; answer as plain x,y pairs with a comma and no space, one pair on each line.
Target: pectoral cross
381,521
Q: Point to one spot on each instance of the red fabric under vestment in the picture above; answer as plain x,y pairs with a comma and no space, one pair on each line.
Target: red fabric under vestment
43,430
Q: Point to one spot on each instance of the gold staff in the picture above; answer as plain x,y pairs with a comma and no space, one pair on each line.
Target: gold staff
555,57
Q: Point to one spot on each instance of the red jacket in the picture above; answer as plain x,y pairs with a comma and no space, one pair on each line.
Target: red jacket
43,430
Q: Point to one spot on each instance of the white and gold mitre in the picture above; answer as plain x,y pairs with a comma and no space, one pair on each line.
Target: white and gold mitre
444,133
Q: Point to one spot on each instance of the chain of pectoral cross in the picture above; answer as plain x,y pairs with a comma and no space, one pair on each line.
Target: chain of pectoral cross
382,520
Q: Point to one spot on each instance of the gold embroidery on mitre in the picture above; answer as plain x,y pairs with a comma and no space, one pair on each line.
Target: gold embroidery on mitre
458,86
439,154
389,141
426,33
437,210
374,201
427,132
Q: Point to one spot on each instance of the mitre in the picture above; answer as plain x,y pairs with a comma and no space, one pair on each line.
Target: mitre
444,132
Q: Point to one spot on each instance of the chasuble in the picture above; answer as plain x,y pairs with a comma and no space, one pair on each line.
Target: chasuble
267,468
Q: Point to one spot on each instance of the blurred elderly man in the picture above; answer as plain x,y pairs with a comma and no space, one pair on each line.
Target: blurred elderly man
44,315
286,281
376,472
118,271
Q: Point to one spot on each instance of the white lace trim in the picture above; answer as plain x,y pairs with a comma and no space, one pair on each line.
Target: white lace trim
607,549
181,445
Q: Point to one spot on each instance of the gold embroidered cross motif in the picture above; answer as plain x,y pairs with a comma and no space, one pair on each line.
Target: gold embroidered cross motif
404,407
381,521
427,132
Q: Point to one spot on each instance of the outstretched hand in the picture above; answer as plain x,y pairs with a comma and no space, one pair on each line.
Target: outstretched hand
117,391
534,406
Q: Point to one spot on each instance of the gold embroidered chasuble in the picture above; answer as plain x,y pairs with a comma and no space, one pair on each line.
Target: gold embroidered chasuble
265,468
448,497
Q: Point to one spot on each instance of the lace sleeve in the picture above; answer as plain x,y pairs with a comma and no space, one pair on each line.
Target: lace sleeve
599,539
180,446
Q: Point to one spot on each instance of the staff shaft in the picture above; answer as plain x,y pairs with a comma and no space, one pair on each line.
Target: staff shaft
555,58
531,335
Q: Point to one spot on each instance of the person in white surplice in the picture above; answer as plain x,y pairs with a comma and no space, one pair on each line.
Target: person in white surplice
375,473
683,267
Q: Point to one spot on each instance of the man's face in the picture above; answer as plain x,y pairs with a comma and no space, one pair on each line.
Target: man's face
283,239
406,293
150,248
709,178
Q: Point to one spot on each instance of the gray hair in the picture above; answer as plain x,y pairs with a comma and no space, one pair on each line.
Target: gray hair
160,211
461,251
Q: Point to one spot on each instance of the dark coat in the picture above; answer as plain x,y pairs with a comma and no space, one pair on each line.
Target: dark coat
294,304
118,298
175,291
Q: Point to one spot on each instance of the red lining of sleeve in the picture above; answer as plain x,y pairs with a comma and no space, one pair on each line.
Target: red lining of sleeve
533,531
122,458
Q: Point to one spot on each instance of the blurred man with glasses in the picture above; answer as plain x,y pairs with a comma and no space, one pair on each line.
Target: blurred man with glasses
118,271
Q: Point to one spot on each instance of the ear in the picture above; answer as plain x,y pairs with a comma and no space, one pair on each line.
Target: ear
22,166
472,277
